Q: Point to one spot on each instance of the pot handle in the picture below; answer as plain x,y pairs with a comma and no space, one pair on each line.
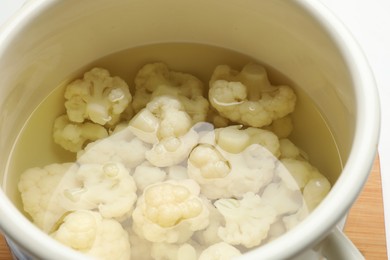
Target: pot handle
338,246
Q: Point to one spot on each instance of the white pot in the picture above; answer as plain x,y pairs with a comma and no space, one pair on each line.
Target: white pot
48,39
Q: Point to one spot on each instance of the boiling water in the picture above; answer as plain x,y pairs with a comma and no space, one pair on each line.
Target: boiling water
35,146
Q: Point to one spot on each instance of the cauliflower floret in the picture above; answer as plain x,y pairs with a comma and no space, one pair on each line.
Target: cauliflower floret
248,97
73,136
147,174
288,149
165,251
234,140
39,188
140,247
97,97
220,251
302,171
49,192
209,235
314,185
89,233
156,79
296,218
145,126
165,123
276,230
247,220
216,119
196,106
177,172
107,187
315,191
282,127
171,151
122,146
282,199
222,175
163,117
170,212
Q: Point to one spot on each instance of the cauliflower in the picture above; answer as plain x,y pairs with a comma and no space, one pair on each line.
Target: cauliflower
233,139
122,146
177,172
146,174
171,151
153,180
276,230
314,185
140,248
288,149
145,125
164,251
301,171
50,192
281,127
89,233
216,119
73,136
247,220
39,188
97,97
165,123
220,251
248,97
196,106
209,235
156,79
163,117
315,191
107,187
222,175
282,199
170,212
292,220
